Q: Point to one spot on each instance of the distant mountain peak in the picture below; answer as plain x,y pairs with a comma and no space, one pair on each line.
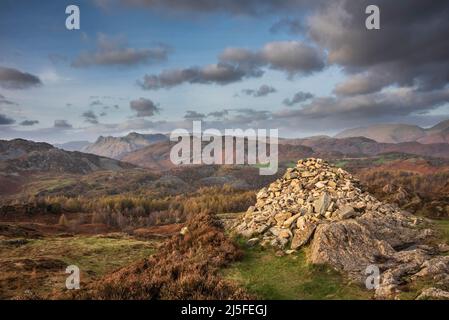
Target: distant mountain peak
397,133
118,147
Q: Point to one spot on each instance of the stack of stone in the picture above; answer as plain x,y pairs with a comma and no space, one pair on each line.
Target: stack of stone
288,211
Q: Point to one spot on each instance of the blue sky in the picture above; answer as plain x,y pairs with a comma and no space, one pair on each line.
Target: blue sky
34,41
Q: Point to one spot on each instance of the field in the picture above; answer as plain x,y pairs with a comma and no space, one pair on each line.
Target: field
290,277
36,267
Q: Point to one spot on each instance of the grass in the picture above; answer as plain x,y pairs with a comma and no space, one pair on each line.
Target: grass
95,256
341,163
443,227
290,277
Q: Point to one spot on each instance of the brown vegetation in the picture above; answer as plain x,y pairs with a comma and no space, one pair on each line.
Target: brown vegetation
186,267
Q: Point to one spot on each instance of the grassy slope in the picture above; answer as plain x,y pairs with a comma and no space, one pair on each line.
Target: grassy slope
290,277
26,267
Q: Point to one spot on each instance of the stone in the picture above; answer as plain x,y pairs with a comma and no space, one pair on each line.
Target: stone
346,212
252,242
184,231
322,203
433,294
281,217
291,220
303,236
301,222
285,234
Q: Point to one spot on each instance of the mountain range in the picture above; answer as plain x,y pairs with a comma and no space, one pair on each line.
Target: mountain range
397,133
118,147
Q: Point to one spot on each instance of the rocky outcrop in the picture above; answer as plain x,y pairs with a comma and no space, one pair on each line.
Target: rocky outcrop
346,227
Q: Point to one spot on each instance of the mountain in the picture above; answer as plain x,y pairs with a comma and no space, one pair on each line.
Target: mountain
361,146
397,133
72,145
157,156
20,156
118,147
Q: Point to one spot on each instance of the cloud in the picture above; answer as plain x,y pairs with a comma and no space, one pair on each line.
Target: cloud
298,98
236,64
193,115
5,101
90,116
234,7
293,57
14,79
144,107
220,73
62,124
394,103
262,91
114,51
95,103
218,114
4,120
409,50
29,122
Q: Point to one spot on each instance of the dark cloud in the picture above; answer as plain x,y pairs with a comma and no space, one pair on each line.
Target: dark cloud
29,122
103,114
115,52
236,64
144,107
62,124
14,79
193,115
90,116
220,73
235,7
394,103
293,57
410,49
218,114
298,98
262,91
4,120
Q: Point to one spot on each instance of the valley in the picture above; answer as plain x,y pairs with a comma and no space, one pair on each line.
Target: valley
118,220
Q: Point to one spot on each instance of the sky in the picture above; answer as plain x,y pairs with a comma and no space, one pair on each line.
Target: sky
303,67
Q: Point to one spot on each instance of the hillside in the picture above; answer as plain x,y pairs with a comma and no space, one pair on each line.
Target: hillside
23,156
397,133
118,147
157,156
325,209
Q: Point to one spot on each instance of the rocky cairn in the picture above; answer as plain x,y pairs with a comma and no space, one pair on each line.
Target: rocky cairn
325,207
288,211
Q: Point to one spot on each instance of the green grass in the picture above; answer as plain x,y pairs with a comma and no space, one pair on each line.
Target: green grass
95,255
341,163
50,185
290,277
